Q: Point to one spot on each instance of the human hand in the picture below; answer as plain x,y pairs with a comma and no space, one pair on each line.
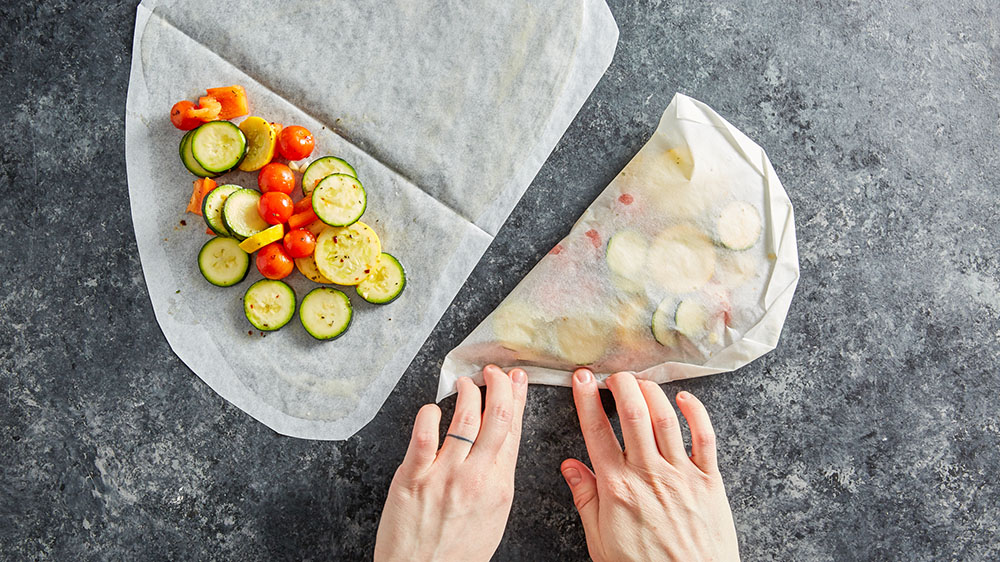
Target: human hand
650,501
453,504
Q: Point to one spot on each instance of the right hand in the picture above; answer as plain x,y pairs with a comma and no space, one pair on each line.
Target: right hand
650,501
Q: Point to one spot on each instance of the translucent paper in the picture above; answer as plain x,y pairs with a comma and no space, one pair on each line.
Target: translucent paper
684,266
446,111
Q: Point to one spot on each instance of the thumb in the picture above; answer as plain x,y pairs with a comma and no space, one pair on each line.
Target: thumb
583,484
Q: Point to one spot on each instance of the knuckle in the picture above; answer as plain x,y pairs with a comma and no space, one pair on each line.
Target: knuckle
704,439
424,439
709,479
632,414
502,413
468,418
619,488
506,495
599,427
665,423
581,499
414,485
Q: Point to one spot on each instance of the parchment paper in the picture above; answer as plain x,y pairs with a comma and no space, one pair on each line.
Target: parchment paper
574,309
446,109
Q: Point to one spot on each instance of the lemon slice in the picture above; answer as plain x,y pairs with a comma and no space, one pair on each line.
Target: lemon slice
263,238
347,255
261,138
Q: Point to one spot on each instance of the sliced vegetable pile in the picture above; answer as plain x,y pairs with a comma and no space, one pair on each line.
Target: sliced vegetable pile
320,234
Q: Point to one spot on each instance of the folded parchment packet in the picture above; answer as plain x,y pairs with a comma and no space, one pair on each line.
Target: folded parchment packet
684,266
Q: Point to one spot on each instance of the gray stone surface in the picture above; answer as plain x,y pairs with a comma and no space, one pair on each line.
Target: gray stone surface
869,434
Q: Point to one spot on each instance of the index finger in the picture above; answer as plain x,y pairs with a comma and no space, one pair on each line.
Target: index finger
602,445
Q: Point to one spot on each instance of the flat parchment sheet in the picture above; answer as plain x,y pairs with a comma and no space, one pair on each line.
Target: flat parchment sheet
446,110
684,266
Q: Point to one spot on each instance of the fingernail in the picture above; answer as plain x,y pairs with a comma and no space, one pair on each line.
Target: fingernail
572,476
583,376
518,376
683,395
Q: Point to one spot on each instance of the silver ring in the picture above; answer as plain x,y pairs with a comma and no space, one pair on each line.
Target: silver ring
460,438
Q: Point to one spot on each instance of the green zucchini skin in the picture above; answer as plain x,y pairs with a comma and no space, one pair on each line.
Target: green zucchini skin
211,208
345,188
313,325
260,294
322,167
221,275
218,146
239,211
187,158
372,294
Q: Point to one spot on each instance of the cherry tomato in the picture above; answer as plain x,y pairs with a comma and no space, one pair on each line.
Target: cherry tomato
300,243
295,143
276,177
181,117
274,262
275,207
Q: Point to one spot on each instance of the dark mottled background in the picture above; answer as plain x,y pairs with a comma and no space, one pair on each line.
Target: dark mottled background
870,433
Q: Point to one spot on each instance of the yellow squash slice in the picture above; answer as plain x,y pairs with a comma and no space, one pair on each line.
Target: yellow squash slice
307,267
347,255
261,138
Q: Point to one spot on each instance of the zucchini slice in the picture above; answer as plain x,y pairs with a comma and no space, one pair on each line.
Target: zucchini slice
218,146
307,267
681,259
269,304
325,313
385,282
187,158
240,216
261,138
626,254
662,323
222,262
347,255
319,169
581,340
738,226
339,200
691,319
518,326
630,324
263,238
211,208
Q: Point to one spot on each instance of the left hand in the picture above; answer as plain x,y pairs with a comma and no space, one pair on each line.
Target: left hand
453,504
